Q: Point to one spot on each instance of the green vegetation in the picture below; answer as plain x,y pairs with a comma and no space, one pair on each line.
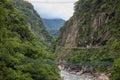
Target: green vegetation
32,19
98,37
17,43
99,28
116,70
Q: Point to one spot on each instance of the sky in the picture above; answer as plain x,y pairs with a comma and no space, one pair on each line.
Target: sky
51,9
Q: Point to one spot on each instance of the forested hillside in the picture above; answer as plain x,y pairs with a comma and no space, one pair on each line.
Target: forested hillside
32,19
20,50
92,35
53,25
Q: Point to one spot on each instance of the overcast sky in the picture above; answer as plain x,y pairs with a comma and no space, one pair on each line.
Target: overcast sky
54,8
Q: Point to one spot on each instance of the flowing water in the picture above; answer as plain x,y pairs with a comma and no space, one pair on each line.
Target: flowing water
68,76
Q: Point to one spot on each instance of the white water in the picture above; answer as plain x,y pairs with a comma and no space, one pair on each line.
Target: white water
68,76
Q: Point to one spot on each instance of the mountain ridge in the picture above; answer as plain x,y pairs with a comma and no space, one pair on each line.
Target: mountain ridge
53,25
33,19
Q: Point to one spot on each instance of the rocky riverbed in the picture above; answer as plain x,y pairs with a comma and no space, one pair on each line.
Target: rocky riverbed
70,76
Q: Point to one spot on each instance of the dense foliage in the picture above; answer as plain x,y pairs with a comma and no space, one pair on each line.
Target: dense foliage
116,70
17,45
99,33
32,19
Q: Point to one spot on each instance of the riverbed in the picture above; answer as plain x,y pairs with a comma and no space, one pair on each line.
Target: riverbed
69,76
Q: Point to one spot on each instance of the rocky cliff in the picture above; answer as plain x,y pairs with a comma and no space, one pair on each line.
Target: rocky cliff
89,24
68,36
92,34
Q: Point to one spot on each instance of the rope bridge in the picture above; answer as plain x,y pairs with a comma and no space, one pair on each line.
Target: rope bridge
107,63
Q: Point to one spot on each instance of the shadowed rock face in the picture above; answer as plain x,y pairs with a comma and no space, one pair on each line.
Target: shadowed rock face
98,20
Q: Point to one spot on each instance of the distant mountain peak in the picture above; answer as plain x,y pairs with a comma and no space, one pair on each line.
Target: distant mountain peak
53,25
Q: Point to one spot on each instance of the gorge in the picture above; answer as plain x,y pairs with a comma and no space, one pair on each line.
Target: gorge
87,48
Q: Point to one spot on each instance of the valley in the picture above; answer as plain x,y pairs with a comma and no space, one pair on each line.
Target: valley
85,47
53,25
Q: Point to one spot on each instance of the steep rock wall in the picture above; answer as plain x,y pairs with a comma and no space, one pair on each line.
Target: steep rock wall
68,36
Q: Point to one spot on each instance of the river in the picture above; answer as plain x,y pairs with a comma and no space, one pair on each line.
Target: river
68,76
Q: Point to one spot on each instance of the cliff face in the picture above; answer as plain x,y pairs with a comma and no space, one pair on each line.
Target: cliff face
69,34
89,25
33,20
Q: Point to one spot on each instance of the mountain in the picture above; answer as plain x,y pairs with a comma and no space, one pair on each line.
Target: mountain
53,25
92,35
32,19
21,52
